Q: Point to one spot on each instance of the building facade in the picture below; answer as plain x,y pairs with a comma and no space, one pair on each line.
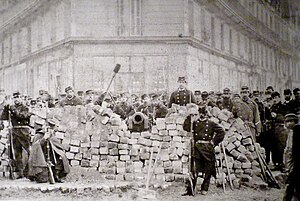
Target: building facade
216,44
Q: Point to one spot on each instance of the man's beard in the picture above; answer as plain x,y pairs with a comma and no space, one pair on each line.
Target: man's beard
288,98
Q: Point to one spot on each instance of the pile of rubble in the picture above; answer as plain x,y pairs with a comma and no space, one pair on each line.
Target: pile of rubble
242,159
97,138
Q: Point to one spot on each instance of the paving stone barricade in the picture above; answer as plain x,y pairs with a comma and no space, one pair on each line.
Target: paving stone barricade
95,137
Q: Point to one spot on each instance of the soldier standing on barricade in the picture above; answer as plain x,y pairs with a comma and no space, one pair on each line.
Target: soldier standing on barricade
279,133
206,135
226,100
182,95
19,115
254,123
70,98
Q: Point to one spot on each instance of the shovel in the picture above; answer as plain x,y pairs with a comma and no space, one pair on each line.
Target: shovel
146,193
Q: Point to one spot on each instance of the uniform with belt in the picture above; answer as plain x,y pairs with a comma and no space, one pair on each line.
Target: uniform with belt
206,135
20,119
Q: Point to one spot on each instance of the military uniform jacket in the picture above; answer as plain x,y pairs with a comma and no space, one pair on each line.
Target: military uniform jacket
72,102
124,110
280,110
181,97
256,118
243,111
294,106
226,104
204,131
20,115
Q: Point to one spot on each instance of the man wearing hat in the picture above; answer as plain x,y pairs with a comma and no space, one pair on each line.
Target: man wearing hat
254,123
279,133
293,182
70,98
182,95
145,106
123,108
46,149
206,100
89,97
226,100
198,98
158,108
206,135
19,116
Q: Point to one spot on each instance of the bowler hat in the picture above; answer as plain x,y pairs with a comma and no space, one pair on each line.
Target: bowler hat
291,117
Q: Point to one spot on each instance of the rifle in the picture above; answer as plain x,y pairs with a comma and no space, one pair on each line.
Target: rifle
267,175
191,166
11,151
49,163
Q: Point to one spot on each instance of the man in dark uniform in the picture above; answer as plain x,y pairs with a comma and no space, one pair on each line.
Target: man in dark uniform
293,182
265,116
158,108
279,133
145,106
19,115
206,100
182,95
218,99
123,108
226,100
206,135
294,104
70,99
198,97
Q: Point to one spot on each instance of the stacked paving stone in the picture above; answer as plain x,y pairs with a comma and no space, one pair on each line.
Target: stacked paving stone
239,148
96,138
4,171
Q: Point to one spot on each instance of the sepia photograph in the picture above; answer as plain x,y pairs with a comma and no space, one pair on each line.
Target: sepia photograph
159,100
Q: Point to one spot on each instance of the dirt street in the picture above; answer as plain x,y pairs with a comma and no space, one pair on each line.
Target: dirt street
23,189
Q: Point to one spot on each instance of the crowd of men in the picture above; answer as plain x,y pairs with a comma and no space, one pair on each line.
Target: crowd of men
264,112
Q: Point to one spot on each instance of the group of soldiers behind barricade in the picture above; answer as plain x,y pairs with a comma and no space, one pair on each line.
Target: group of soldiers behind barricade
263,112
